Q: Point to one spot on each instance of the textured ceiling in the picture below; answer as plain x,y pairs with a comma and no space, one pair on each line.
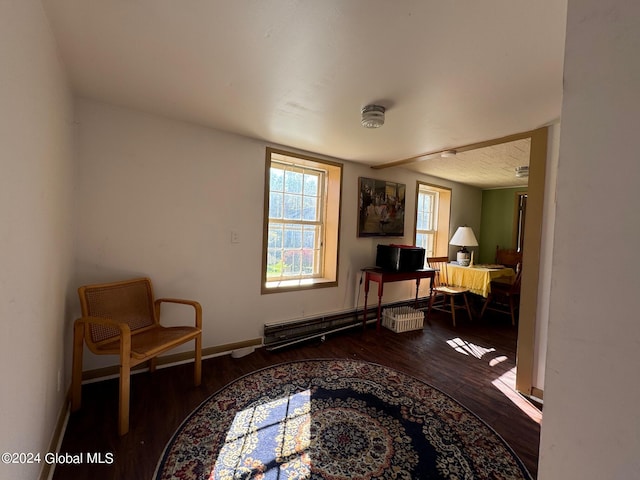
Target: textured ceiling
297,73
488,167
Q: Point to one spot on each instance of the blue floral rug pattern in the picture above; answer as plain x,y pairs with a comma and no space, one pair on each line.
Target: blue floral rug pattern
335,420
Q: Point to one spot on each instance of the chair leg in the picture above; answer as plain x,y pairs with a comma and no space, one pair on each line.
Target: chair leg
466,302
76,372
197,366
512,310
125,391
486,304
431,298
153,363
453,309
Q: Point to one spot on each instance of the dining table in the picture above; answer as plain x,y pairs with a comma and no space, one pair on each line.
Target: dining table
478,278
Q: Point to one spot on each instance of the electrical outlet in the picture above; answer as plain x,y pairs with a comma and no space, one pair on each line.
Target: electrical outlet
235,237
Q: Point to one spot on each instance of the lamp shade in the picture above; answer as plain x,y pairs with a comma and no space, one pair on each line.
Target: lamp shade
464,237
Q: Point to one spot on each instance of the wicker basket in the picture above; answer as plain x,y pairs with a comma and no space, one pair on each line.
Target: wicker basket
402,319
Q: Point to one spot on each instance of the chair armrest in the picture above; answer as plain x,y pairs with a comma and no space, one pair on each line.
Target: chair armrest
196,305
123,326
124,339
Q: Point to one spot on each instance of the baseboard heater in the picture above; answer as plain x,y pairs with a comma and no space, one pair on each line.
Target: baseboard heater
280,335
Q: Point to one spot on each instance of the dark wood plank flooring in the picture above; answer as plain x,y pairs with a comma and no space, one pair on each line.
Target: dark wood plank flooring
466,363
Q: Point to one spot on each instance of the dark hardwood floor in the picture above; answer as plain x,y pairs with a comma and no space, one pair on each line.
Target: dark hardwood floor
473,363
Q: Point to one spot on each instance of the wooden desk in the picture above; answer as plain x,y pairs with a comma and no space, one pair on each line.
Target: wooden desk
477,279
385,276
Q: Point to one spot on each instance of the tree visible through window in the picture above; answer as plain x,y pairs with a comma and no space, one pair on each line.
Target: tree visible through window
302,200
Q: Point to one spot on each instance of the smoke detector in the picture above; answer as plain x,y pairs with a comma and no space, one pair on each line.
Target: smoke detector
522,172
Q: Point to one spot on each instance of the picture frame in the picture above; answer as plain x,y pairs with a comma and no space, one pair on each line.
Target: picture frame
381,208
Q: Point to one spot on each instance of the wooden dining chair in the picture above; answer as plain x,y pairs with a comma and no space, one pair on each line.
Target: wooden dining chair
504,297
443,296
123,318
509,257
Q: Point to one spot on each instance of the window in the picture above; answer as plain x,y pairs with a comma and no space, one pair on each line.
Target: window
302,206
432,219
426,221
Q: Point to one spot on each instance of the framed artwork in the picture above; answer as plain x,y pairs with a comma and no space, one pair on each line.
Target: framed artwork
381,208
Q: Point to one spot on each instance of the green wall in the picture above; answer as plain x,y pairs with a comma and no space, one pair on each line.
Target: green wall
496,225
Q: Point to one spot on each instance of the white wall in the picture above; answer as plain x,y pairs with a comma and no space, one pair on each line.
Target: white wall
36,187
160,197
591,425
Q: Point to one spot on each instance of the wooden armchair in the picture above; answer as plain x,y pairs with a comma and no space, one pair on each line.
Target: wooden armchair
447,292
122,318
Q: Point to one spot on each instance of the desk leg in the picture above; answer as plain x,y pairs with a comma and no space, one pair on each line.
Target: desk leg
415,304
380,288
366,295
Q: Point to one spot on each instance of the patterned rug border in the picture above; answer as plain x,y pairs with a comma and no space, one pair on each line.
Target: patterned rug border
194,412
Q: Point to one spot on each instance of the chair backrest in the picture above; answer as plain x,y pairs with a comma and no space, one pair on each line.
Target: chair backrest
130,301
440,264
508,257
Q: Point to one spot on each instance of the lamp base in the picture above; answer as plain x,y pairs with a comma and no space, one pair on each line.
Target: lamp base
463,257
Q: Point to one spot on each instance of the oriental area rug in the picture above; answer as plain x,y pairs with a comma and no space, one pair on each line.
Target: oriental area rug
335,420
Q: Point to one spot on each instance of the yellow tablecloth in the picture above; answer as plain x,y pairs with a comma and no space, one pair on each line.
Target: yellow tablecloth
476,279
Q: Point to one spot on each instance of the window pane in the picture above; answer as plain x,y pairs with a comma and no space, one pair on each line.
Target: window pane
309,239
275,236
292,207
425,240
426,202
307,261
310,210
275,205
274,262
292,236
311,185
292,260
427,221
293,182
276,183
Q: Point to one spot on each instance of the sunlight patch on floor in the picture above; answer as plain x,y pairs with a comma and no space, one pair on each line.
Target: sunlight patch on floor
506,383
238,457
468,348
495,361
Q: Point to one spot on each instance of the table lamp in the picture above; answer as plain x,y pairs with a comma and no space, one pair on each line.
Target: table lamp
463,238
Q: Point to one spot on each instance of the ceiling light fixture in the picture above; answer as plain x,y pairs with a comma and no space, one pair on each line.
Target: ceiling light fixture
448,154
372,116
522,172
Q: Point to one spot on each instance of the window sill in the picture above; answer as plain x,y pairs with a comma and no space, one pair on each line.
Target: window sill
296,285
